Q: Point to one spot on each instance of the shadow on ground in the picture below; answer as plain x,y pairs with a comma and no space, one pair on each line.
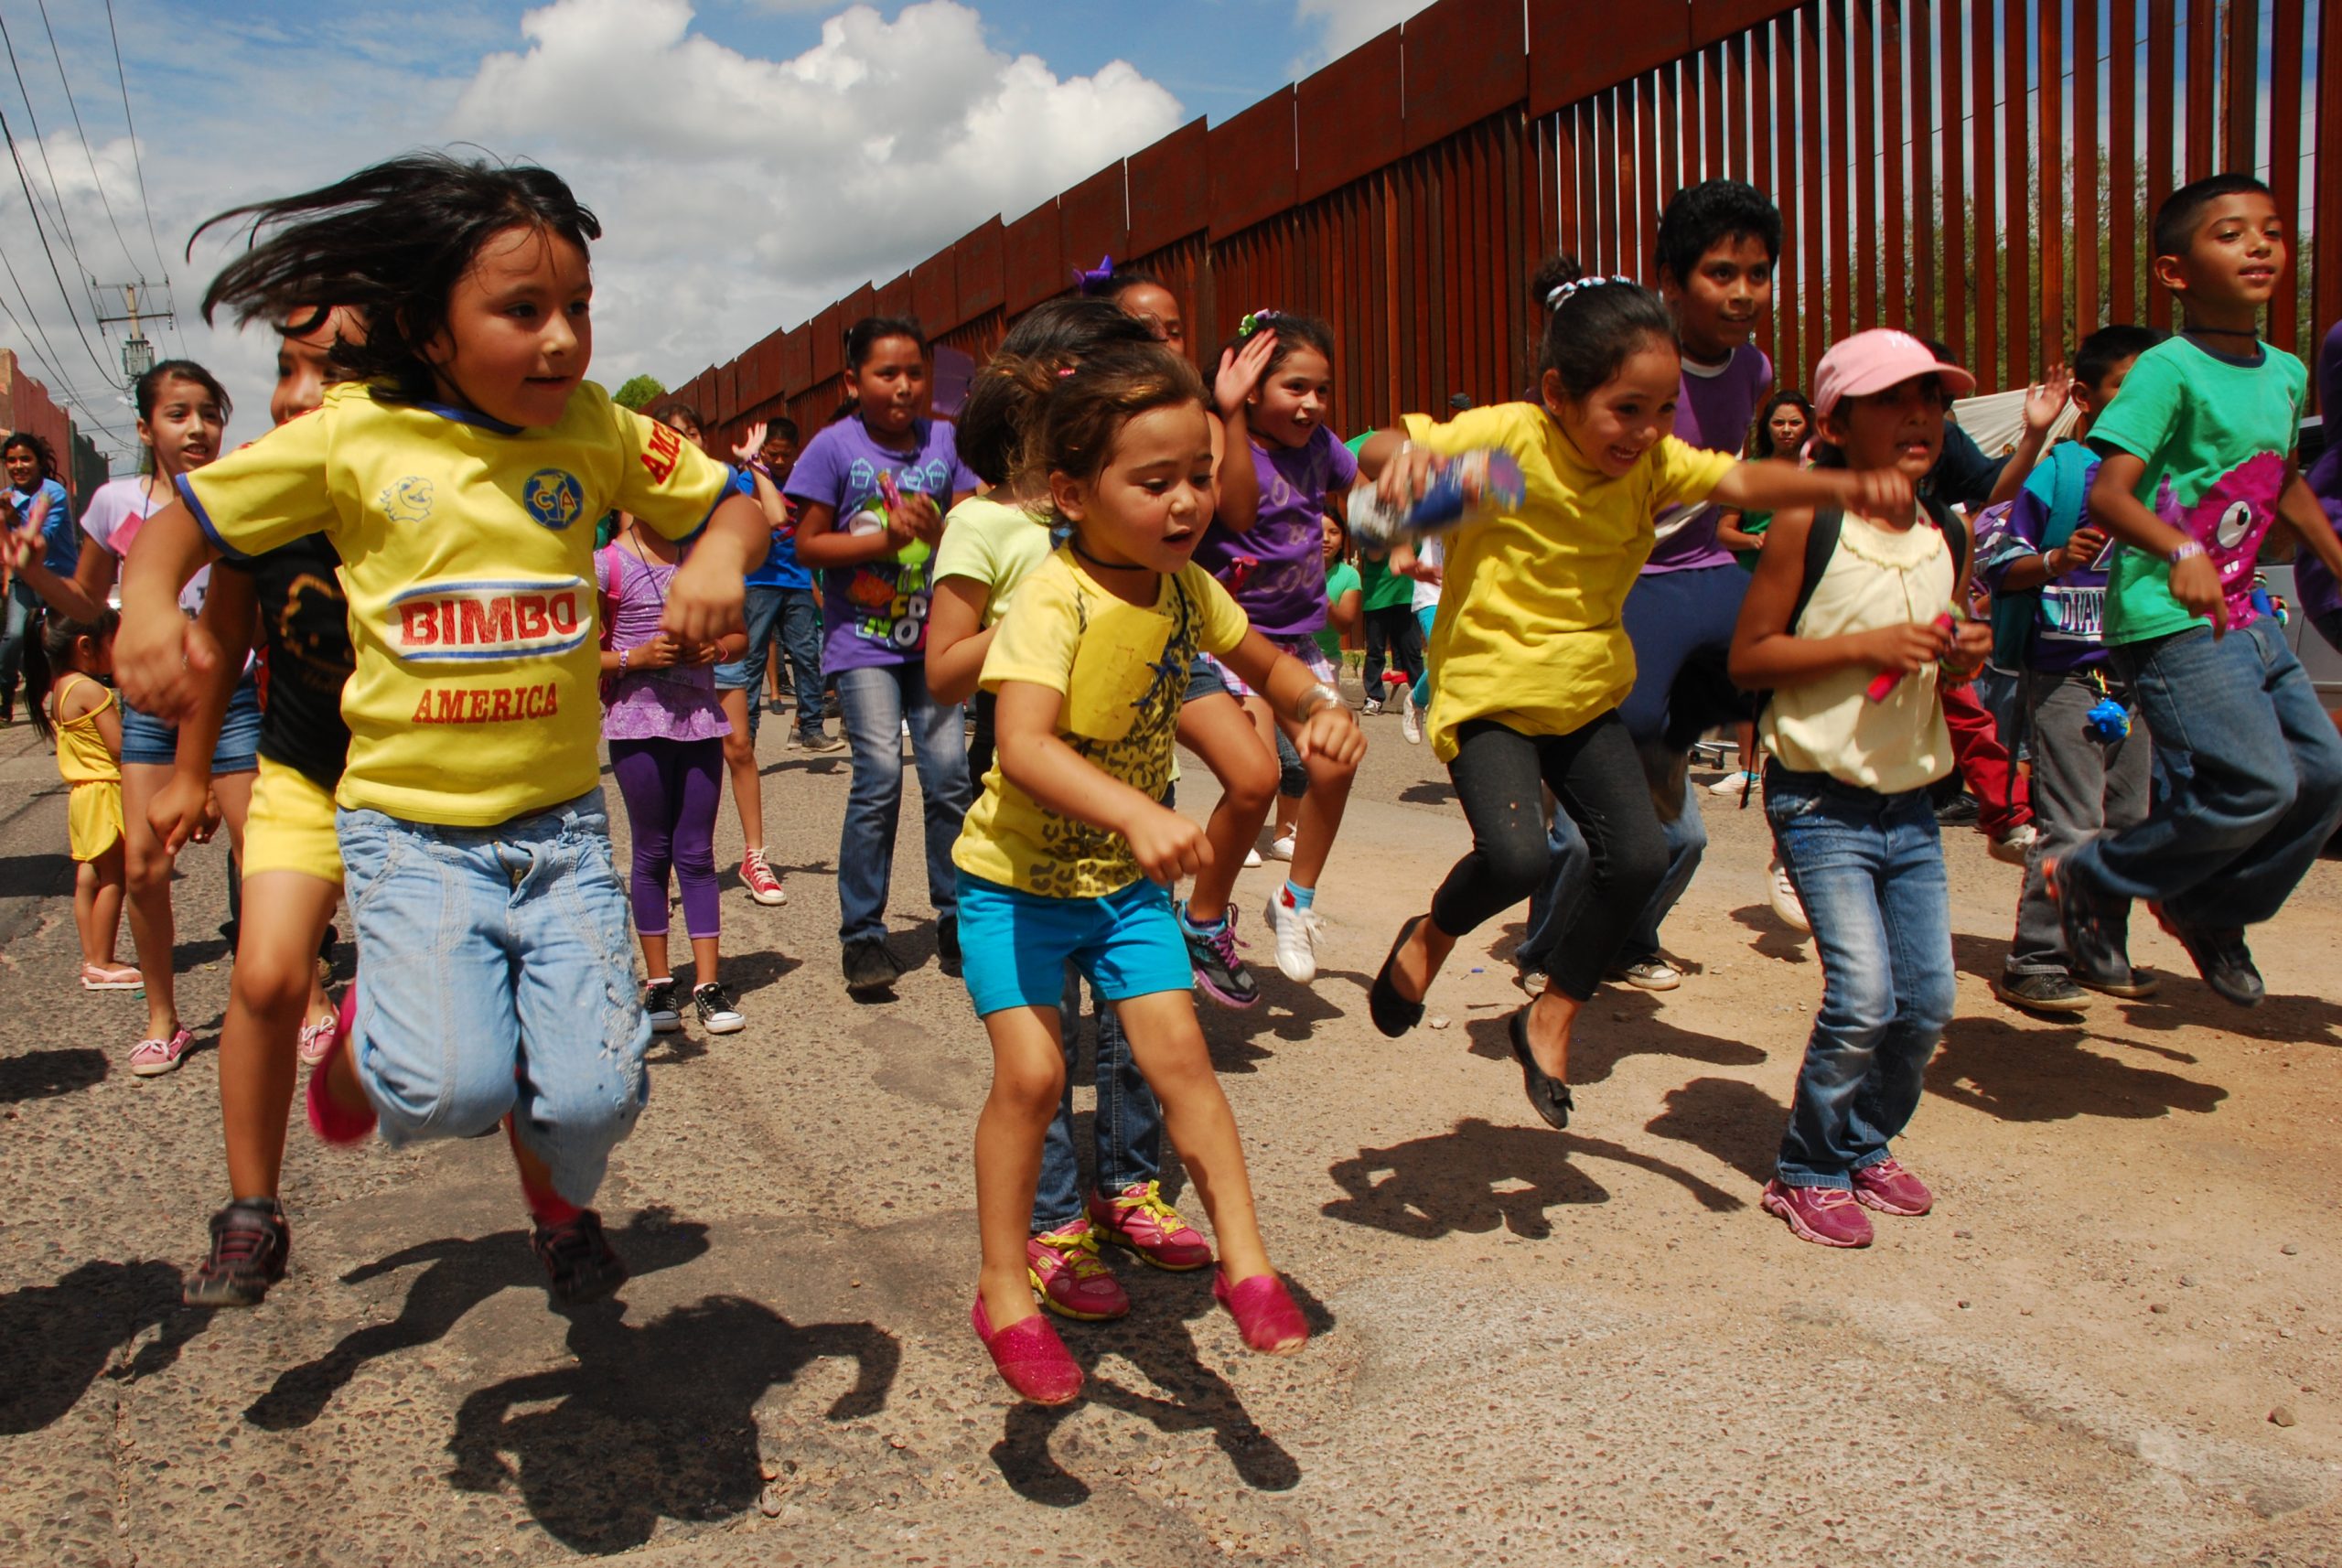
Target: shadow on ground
1774,938
606,1447
61,1336
2025,1070
44,1075
1619,1022
1481,1177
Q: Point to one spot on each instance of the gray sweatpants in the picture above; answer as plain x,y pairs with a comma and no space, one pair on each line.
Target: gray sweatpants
2081,786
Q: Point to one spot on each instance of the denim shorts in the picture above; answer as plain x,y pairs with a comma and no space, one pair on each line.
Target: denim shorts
1203,680
1016,944
150,742
497,975
1303,647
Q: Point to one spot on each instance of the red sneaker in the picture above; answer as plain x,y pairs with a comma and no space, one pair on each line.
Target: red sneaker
1030,1358
760,880
1139,1219
1264,1313
1827,1215
1889,1189
1074,1282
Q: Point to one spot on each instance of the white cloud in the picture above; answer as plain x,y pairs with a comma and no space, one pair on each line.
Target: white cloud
1343,25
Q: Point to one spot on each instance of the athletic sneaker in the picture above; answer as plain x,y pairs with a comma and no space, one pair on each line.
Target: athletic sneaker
1296,930
2222,959
2011,846
717,1013
1889,1189
1650,974
659,1002
870,964
1826,1216
1370,707
1252,858
1212,955
1786,903
1410,724
2044,992
250,1242
763,885
1281,847
578,1258
819,741
1137,1218
1732,783
1073,1279
152,1058
1534,981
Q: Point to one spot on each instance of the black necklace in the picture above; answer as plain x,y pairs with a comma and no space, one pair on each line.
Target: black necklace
1075,545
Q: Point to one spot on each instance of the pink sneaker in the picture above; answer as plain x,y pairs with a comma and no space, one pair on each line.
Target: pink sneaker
763,885
1139,1219
152,1059
1264,1313
1889,1189
1827,1215
334,1124
1074,1282
1030,1358
318,1038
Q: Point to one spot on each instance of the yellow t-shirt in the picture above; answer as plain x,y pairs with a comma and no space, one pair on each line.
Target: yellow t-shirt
1528,632
994,543
1124,672
466,553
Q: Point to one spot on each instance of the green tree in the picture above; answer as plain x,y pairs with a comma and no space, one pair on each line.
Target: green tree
638,391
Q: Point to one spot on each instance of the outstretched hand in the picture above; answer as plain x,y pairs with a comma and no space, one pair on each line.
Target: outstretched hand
161,666
752,442
2046,399
1241,370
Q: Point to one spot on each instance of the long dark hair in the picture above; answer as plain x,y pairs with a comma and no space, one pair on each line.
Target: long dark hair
37,447
47,656
148,390
1005,401
1760,437
391,242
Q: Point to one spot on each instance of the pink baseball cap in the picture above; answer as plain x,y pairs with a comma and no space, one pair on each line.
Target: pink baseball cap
1873,361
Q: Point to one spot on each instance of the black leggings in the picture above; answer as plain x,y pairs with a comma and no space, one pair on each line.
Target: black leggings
1392,633
1596,775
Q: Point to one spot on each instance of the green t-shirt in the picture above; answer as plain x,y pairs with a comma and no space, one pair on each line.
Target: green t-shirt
1342,579
1381,588
2216,435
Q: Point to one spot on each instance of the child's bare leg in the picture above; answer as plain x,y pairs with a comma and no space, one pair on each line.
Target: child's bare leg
1218,729
1321,812
285,914
97,906
705,955
656,962
1027,1078
146,870
1169,1046
741,761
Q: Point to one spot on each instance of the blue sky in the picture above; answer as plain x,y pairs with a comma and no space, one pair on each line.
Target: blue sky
751,159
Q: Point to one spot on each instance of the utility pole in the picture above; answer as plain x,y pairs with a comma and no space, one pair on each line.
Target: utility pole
137,353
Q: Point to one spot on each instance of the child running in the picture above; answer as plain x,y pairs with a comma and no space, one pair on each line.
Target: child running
1070,856
2197,464
68,668
874,488
992,544
1845,604
1532,662
458,473
2044,559
1281,468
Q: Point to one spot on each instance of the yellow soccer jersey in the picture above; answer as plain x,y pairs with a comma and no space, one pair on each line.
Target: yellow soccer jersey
1123,671
466,553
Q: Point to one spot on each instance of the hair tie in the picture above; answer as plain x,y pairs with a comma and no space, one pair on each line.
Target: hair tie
1093,280
1255,322
1562,292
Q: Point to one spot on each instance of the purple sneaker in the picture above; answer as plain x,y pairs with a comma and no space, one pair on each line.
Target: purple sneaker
1827,1215
1889,1189
1218,971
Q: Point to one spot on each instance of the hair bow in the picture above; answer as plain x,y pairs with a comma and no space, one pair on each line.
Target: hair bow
1255,321
1093,280
1563,291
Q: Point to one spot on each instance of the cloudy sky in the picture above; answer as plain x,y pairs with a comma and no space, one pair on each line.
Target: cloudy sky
751,160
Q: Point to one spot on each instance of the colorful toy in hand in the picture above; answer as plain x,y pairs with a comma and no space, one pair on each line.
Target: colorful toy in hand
875,515
2109,720
1883,685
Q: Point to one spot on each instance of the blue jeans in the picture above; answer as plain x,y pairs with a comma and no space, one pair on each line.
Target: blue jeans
876,702
1553,905
17,615
499,977
2249,775
797,620
1869,869
1127,1131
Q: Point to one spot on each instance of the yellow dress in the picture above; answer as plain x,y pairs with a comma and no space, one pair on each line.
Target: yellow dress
93,814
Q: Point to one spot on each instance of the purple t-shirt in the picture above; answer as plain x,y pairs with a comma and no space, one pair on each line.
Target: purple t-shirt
2319,595
875,614
1713,410
1277,570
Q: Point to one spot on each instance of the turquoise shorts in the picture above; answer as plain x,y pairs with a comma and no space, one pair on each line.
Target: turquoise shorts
1015,945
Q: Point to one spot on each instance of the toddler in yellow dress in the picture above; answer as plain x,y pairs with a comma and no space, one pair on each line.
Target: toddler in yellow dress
81,719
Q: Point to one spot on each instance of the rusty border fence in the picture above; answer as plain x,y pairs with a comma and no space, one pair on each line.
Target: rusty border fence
1981,171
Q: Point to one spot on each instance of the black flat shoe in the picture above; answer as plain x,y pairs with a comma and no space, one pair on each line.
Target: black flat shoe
1394,1013
1549,1095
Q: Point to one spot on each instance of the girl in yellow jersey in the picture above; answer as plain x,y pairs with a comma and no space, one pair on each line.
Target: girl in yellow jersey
82,722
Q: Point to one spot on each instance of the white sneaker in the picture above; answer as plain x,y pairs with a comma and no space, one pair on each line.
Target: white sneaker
1786,903
1370,707
2013,848
1280,848
1296,930
1252,858
1730,784
1410,724
1650,974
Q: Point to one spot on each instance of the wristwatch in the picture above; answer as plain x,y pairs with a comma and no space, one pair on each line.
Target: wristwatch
2186,551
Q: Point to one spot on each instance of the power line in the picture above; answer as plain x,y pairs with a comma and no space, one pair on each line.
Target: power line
136,162
56,191
62,389
22,179
75,109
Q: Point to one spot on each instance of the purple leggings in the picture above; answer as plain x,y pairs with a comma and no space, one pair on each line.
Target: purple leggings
671,789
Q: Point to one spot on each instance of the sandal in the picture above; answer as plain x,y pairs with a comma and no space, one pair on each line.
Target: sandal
1394,1013
110,977
1548,1095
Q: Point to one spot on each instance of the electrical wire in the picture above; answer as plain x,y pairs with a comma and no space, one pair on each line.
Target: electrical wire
137,163
87,152
104,373
56,191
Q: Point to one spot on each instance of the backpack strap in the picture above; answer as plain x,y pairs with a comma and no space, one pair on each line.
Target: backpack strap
613,561
1955,534
1820,543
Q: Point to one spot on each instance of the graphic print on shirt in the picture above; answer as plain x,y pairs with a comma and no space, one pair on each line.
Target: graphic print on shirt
470,621
554,496
2229,519
889,597
408,500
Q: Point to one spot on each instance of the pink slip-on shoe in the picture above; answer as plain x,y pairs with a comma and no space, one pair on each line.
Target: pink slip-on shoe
318,1038
1137,1218
334,1124
1826,1216
1029,1357
152,1058
1889,1189
1264,1313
